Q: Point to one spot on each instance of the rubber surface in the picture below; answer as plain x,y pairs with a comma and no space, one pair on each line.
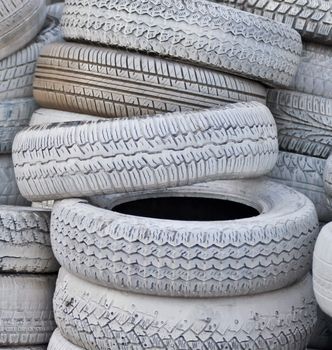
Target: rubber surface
116,83
20,21
327,177
25,245
55,10
14,116
126,320
124,155
314,74
304,122
305,174
311,18
17,70
193,30
26,313
190,258
322,269
58,342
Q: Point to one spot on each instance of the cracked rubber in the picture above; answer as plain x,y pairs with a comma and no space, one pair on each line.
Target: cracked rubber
14,116
17,70
305,174
189,258
115,83
9,192
20,22
199,31
25,245
79,159
322,269
311,18
304,122
314,74
132,321
26,312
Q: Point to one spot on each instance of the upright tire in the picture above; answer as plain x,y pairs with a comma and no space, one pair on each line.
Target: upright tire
192,30
80,159
126,320
117,83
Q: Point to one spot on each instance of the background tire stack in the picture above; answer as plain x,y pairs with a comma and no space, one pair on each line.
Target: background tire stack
133,281
27,264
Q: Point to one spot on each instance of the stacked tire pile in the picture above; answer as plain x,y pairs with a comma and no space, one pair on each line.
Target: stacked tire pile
27,264
153,114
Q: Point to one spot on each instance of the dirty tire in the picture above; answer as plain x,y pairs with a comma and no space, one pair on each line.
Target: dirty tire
26,313
304,122
321,337
311,18
327,176
305,174
58,342
79,159
314,75
193,30
49,116
9,192
14,116
25,245
55,10
189,258
20,22
127,320
17,70
322,269
115,83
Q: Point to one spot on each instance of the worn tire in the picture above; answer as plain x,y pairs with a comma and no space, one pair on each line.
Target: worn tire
304,122
115,83
26,313
311,18
58,342
305,174
55,10
14,116
126,320
20,21
17,70
9,192
327,177
314,75
189,258
193,30
25,245
79,159
322,269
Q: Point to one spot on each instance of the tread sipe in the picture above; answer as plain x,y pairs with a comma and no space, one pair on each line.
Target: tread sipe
116,83
79,159
198,31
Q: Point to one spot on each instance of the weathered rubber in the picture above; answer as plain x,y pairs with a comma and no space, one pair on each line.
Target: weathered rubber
14,116
26,313
25,245
304,122
314,74
79,159
20,21
322,269
9,192
327,177
305,174
55,9
311,18
132,321
58,342
17,70
193,30
116,83
190,258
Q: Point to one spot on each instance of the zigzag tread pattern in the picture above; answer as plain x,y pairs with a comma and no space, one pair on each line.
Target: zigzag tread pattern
198,31
120,155
303,122
87,315
108,82
311,18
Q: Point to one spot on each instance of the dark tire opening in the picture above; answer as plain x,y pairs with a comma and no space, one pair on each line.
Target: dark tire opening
187,208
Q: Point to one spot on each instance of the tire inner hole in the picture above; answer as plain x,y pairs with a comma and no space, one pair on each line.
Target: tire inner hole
187,209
